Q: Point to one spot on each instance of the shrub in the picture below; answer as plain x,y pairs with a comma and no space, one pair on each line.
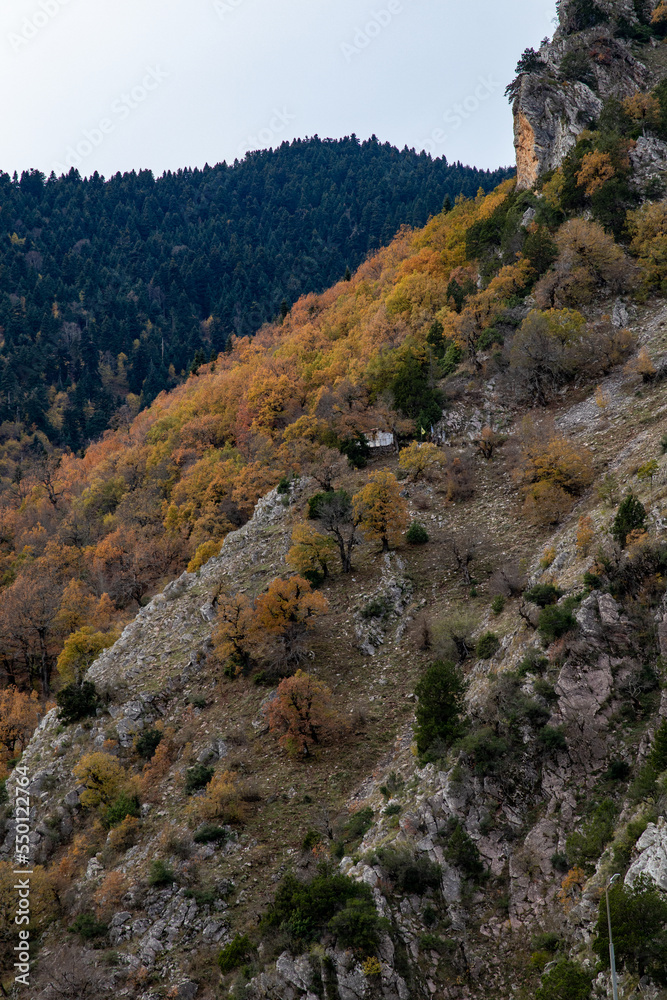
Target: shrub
235,953
124,836
554,622
160,874
77,702
584,848
210,833
409,873
147,742
487,751
498,604
565,981
304,910
552,739
487,646
359,824
88,927
631,516
560,861
357,451
379,607
440,694
197,777
358,925
393,810
123,805
461,850
417,534
543,594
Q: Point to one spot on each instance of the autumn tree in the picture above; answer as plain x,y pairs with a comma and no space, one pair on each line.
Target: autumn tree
648,228
303,713
222,800
311,553
19,716
643,110
420,461
596,169
80,651
234,632
588,261
283,616
553,473
381,510
103,777
339,519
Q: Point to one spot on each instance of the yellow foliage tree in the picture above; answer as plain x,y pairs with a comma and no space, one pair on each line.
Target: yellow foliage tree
641,366
206,551
80,651
42,901
155,771
596,169
103,777
382,511
585,534
553,472
282,617
311,552
420,460
234,633
222,800
648,227
643,109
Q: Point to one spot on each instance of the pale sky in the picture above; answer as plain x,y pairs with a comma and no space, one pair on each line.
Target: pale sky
114,85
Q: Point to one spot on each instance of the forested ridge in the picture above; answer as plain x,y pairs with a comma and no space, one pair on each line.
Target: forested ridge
109,290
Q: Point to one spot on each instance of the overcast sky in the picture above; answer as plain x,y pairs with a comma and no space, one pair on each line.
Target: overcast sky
113,85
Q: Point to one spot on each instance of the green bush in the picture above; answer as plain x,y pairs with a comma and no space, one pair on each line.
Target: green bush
560,861
88,927
461,850
487,646
532,663
415,393
147,743
440,694
357,451
209,833
545,690
407,872
380,607
631,516
235,953
393,810
498,604
592,580
160,873
552,739
487,751
626,842
358,824
197,777
123,805
417,534
639,920
566,981
543,594
304,910
584,848
554,622
358,926
77,702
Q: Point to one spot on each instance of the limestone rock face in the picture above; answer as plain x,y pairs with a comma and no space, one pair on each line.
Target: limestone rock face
652,859
548,118
554,103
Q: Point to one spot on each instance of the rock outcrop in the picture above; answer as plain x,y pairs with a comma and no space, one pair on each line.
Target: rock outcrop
563,92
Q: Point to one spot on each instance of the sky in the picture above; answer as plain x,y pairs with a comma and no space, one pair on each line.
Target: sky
116,85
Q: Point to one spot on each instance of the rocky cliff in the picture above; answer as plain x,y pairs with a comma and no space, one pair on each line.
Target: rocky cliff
592,56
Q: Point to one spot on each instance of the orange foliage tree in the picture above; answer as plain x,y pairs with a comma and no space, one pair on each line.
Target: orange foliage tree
284,615
303,713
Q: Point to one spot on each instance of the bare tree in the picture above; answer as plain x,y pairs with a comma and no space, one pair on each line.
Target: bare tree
466,546
70,973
